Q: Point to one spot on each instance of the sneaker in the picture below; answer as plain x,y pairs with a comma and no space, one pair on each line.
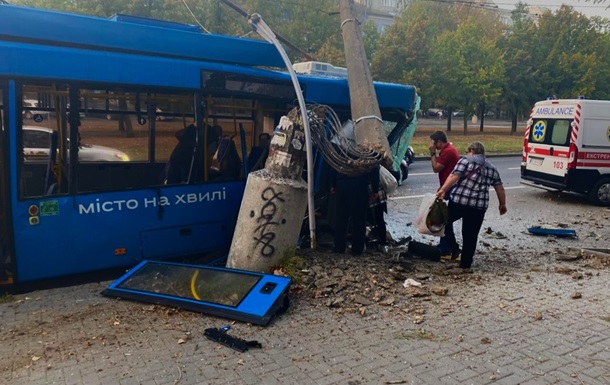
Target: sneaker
382,249
453,257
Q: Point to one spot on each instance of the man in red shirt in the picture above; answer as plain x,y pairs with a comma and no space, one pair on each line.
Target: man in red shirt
443,165
447,157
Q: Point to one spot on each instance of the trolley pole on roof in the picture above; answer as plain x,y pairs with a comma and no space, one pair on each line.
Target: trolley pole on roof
281,38
368,129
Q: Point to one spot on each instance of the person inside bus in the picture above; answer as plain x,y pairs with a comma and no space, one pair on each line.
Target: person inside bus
184,163
258,154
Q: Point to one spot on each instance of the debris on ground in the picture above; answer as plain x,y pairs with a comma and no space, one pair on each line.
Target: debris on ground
489,233
548,230
411,282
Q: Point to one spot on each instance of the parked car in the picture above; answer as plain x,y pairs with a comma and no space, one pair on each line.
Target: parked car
37,142
30,113
458,113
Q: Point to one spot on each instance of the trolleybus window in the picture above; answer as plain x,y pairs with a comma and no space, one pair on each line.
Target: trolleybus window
127,137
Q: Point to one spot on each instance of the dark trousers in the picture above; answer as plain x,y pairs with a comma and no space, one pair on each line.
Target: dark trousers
472,220
379,223
352,202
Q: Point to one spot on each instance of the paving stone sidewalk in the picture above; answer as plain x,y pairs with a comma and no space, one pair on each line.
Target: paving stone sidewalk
522,327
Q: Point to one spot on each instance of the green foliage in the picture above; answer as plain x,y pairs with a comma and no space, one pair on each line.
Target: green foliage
404,52
458,56
370,38
7,298
469,68
291,265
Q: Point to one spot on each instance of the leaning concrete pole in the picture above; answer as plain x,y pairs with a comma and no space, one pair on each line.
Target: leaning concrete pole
274,203
365,108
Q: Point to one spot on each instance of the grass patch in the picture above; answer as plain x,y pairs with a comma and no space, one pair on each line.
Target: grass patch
496,140
7,298
291,265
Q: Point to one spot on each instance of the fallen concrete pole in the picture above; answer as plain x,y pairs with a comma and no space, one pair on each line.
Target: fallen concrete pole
274,203
369,131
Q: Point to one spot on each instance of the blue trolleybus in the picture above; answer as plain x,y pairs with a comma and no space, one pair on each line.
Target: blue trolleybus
128,139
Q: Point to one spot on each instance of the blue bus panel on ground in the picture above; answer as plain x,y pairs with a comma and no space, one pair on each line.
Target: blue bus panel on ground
234,294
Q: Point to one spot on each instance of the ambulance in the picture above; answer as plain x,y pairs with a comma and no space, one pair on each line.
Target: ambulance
567,147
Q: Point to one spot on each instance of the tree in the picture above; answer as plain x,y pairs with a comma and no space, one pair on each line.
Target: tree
469,67
519,90
404,52
307,24
567,45
370,36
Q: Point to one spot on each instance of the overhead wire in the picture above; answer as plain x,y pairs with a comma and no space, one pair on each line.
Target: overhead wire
194,17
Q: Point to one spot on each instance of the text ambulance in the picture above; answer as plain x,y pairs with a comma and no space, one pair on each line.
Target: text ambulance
567,147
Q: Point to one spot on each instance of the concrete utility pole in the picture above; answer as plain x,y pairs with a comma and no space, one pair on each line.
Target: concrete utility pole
365,108
274,203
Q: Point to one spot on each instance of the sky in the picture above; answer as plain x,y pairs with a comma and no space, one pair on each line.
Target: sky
586,7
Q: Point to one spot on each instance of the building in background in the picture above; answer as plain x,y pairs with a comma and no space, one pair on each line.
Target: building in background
383,12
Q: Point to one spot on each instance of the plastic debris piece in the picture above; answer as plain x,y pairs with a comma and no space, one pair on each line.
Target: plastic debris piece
554,231
409,282
235,343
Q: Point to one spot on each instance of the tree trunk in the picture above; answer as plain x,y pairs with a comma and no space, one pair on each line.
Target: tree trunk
125,120
513,122
482,113
465,123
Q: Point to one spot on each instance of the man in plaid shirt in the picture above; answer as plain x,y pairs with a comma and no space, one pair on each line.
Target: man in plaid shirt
469,199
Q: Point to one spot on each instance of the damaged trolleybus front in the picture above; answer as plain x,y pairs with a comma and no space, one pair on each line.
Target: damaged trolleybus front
567,148
168,117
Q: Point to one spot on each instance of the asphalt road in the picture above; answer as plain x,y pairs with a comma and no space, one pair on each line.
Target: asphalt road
422,180
527,206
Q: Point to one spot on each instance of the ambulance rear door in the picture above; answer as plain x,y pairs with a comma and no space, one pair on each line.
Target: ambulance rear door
549,145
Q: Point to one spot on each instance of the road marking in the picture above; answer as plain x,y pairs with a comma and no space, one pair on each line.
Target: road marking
421,173
423,195
514,168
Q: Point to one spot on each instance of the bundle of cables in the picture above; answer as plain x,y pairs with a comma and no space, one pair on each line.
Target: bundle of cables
336,142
